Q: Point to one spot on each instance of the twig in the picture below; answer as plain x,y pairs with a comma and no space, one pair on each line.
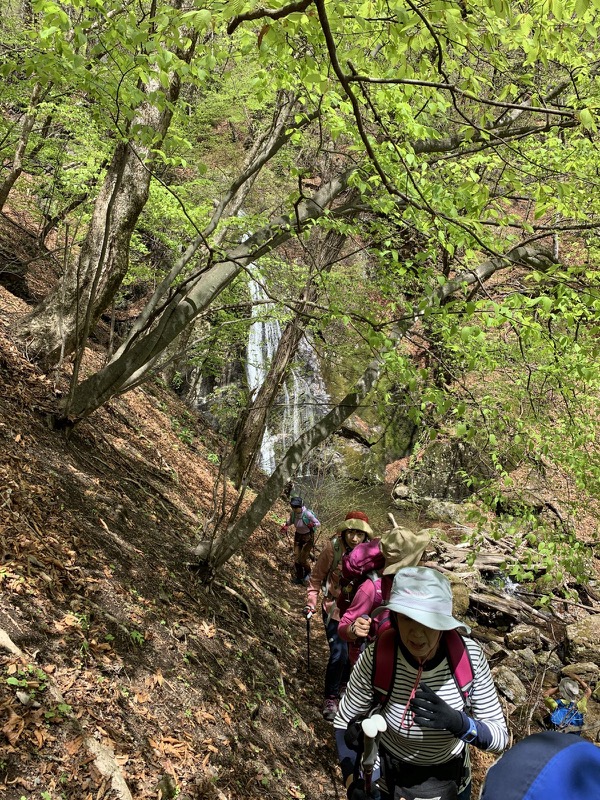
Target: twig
560,600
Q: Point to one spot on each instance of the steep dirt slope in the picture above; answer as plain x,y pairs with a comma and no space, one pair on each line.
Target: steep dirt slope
120,644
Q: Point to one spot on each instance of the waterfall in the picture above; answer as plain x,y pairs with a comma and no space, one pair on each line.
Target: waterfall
303,396
263,338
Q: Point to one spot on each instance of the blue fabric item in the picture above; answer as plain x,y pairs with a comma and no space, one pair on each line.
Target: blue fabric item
565,715
545,766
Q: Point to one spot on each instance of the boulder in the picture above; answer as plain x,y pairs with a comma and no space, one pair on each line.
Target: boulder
509,685
523,662
583,639
460,596
524,636
583,669
444,511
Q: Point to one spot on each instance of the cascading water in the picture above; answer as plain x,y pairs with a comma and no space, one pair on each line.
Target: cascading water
303,399
263,338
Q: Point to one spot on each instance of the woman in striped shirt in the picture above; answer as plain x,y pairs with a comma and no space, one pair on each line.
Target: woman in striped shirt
427,727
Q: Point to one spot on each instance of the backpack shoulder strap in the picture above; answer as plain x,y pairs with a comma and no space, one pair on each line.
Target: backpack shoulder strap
460,664
385,654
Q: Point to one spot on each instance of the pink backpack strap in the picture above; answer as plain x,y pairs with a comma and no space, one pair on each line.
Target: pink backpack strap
460,664
384,664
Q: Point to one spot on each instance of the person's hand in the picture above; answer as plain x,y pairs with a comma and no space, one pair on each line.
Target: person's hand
283,529
430,711
308,611
361,626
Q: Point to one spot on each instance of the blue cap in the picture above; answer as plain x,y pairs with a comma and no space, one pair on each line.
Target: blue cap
545,766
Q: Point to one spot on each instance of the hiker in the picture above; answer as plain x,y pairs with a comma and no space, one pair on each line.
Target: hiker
325,577
371,587
545,766
434,690
567,710
304,522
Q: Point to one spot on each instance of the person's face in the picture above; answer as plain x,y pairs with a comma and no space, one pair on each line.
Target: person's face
296,510
420,641
353,538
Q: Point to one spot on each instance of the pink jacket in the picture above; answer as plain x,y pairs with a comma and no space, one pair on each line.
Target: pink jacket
369,595
321,578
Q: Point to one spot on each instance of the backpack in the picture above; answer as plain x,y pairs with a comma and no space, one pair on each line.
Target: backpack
358,565
386,653
566,715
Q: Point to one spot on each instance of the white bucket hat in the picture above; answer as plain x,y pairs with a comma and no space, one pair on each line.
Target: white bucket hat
425,595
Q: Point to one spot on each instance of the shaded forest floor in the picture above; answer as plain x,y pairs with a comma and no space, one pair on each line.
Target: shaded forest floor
120,642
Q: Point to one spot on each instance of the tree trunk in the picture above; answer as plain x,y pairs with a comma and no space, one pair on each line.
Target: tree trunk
59,325
26,128
215,553
212,554
131,365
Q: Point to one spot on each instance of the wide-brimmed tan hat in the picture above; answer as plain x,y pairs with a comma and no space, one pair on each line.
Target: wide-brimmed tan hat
402,547
356,521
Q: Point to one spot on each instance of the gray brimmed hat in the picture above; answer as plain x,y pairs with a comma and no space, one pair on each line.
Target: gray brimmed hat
402,547
568,689
425,595
356,521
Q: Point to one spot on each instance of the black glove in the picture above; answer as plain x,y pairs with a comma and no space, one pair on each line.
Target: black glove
430,711
356,791
353,736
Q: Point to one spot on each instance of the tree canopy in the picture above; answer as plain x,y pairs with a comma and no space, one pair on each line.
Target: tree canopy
451,144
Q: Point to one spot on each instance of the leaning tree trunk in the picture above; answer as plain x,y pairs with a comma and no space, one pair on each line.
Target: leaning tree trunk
132,364
60,324
251,427
213,553
17,166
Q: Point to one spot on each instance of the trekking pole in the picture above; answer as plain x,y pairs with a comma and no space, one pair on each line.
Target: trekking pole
308,616
372,728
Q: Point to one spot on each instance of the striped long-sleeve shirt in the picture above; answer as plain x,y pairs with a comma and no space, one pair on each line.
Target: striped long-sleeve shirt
405,739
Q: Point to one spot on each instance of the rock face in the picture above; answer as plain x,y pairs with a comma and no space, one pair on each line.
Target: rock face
523,636
509,685
583,639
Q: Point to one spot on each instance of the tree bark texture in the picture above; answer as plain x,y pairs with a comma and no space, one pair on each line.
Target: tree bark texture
131,365
58,325
26,128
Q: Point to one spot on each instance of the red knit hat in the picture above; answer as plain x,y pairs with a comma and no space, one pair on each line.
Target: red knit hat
357,521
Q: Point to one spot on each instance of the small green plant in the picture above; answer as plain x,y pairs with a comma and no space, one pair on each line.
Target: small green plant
213,458
137,637
58,713
30,678
183,433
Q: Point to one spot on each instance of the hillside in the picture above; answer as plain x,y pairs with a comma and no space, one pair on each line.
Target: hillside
121,675
120,644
